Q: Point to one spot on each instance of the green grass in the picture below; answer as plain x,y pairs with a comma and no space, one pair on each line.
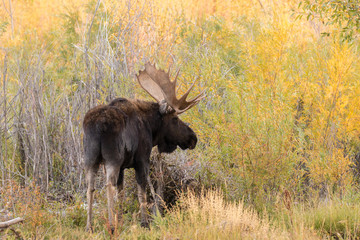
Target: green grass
335,218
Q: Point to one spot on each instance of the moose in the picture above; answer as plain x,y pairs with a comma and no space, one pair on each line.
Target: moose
122,134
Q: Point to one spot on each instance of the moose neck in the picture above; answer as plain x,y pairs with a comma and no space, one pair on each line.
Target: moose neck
152,116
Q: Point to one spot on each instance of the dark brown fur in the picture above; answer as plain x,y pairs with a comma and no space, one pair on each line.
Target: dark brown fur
121,135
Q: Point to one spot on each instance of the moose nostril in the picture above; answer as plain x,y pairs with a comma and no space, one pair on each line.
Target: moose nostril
193,142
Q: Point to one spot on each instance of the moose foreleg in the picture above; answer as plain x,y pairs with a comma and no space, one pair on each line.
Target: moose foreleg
141,171
143,204
120,189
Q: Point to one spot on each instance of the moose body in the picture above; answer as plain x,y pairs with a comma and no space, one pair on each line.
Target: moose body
122,134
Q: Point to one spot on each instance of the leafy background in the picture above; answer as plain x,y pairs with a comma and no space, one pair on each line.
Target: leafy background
278,131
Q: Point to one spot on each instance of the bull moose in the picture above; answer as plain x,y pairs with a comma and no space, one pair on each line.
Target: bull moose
121,135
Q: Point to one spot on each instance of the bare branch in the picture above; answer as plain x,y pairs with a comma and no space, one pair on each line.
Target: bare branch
11,222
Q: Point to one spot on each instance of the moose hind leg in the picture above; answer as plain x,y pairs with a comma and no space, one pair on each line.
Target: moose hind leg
90,179
92,162
112,173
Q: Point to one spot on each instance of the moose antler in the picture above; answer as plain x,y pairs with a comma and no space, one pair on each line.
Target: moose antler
158,84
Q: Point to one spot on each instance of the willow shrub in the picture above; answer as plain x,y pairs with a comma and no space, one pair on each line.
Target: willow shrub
281,107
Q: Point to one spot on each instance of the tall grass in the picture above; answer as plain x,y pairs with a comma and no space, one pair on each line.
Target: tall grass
336,218
209,216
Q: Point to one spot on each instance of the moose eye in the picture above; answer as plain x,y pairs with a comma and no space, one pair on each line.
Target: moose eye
174,120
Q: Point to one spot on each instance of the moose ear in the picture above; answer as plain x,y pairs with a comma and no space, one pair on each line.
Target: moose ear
165,108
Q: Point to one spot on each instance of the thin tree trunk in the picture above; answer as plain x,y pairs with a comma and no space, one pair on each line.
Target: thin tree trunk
4,153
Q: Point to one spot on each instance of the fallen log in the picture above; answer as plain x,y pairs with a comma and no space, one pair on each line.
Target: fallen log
10,222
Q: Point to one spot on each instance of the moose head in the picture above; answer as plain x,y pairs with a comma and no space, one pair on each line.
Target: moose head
174,132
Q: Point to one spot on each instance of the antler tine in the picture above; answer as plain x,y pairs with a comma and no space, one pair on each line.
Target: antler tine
193,102
183,98
198,97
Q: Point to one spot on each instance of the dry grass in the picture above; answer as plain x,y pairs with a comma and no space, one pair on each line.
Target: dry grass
209,216
215,218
